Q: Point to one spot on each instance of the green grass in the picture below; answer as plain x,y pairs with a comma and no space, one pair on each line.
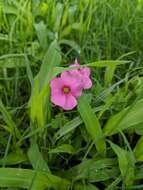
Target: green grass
96,146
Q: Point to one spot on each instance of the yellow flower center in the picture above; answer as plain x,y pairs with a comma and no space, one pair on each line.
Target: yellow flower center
66,90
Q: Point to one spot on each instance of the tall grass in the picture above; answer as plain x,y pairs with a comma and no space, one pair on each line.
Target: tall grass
98,145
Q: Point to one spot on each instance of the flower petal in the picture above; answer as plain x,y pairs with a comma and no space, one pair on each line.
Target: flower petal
56,85
74,82
75,65
70,102
76,91
58,99
85,71
71,79
68,77
87,83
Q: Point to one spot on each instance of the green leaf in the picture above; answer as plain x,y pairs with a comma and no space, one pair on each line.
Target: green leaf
71,125
138,150
114,184
94,170
65,148
36,106
68,29
92,124
105,63
85,187
139,173
126,163
51,59
41,31
122,158
39,101
36,158
29,70
59,11
30,179
9,121
129,117
14,158
72,44
68,127
12,61
139,128
109,75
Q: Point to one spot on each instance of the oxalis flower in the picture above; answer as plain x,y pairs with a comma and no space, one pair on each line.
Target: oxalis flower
68,87
82,75
64,91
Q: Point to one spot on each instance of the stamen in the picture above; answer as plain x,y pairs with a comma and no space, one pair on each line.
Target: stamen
66,90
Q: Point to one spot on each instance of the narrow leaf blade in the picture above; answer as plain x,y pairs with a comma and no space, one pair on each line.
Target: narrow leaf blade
92,124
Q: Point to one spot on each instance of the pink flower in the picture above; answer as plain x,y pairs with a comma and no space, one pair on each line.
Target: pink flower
68,87
65,90
82,75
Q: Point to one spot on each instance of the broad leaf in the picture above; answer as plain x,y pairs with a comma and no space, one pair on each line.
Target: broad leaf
25,178
94,170
126,164
130,117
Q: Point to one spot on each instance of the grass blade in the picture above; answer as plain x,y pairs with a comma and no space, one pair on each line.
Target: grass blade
8,120
92,124
39,100
36,158
64,148
14,158
138,150
106,63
